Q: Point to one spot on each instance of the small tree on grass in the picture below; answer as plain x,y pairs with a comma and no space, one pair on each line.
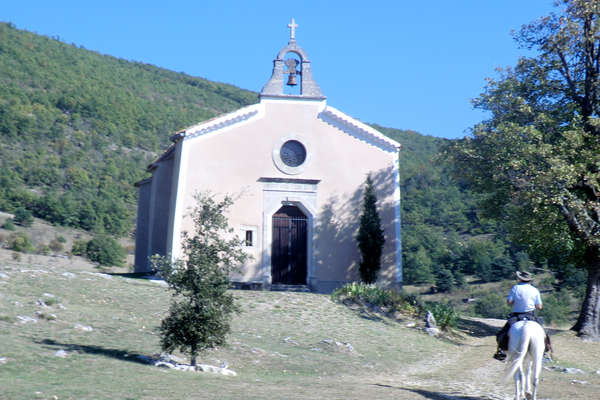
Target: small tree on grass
201,310
23,217
105,250
370,236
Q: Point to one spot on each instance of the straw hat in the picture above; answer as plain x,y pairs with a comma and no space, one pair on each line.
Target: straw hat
524,276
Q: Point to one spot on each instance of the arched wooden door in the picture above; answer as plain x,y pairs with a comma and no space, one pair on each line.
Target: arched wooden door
288,250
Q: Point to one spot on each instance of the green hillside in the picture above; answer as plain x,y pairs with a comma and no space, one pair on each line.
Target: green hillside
77,128
444,236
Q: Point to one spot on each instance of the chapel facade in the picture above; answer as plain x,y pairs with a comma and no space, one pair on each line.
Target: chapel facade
296,169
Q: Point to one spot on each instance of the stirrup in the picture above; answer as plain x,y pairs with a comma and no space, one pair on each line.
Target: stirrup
500,355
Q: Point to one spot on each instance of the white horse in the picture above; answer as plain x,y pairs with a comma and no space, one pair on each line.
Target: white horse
525,348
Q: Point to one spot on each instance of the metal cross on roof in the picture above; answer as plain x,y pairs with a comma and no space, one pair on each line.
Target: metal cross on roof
292,27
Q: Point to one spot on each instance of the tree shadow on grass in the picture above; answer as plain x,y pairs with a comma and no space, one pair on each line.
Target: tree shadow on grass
480,329
428,394
476,328
118,354
132,275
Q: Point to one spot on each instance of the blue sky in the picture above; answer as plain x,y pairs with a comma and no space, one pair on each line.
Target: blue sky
402,64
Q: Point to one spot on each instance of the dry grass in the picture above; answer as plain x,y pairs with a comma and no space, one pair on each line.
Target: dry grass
283,346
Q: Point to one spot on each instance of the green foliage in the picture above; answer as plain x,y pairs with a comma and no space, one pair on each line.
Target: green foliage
393,300
9,225
370,235
373,295
536,160
23,217
200,313
105,250
20,241
445,281
444,232
79,128
50,301
43,249
79,248
492,305
418,267
445,315
557,308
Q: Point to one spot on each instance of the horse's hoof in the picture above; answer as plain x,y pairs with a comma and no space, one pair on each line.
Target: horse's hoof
528,396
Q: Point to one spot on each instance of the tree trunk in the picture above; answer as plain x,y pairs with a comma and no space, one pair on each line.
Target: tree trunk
193,355
588,323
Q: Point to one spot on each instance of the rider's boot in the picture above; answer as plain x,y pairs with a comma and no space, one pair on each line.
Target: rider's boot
500,355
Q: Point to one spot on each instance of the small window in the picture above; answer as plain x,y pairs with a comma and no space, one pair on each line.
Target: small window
249,242
248,235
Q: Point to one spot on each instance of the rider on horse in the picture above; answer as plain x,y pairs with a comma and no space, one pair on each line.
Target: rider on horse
524,299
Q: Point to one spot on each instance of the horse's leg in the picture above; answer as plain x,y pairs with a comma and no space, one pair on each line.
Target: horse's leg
522,378
527,382
538,355
518,383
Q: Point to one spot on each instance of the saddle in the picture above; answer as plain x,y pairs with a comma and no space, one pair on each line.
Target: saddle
502,336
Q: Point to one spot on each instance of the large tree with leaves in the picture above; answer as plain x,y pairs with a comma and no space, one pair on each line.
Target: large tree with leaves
538,156
200,313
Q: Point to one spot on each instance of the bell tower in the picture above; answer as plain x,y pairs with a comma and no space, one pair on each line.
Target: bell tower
289,66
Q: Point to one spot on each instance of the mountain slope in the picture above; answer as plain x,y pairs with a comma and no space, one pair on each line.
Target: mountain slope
77,128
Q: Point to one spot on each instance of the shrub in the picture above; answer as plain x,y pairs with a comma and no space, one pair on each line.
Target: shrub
43,250
56,246
61,239
556,307
23,217
19,241
492,305
444,313
374,295
105,250
50,301
79,248
6,318
9,225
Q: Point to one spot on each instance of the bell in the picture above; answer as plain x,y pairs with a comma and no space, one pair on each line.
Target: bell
292,80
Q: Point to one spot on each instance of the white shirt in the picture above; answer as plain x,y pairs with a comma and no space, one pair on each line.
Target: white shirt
524,298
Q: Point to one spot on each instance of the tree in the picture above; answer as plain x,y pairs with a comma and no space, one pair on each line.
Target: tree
200,313
105,250
370,236
537,158
23,217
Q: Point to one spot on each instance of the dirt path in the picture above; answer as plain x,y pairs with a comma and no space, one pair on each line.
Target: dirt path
470,372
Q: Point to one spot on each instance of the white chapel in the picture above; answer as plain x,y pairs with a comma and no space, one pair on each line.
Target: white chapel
296,169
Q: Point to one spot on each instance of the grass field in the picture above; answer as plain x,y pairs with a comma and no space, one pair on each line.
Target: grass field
283,346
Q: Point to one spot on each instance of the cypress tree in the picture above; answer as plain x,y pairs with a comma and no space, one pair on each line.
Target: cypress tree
370,235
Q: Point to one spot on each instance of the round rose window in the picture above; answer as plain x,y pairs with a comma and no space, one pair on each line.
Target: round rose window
293,153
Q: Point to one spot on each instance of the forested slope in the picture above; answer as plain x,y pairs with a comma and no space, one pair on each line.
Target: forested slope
444,236
77,128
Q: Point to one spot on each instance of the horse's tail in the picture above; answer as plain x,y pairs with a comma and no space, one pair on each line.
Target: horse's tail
517,357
